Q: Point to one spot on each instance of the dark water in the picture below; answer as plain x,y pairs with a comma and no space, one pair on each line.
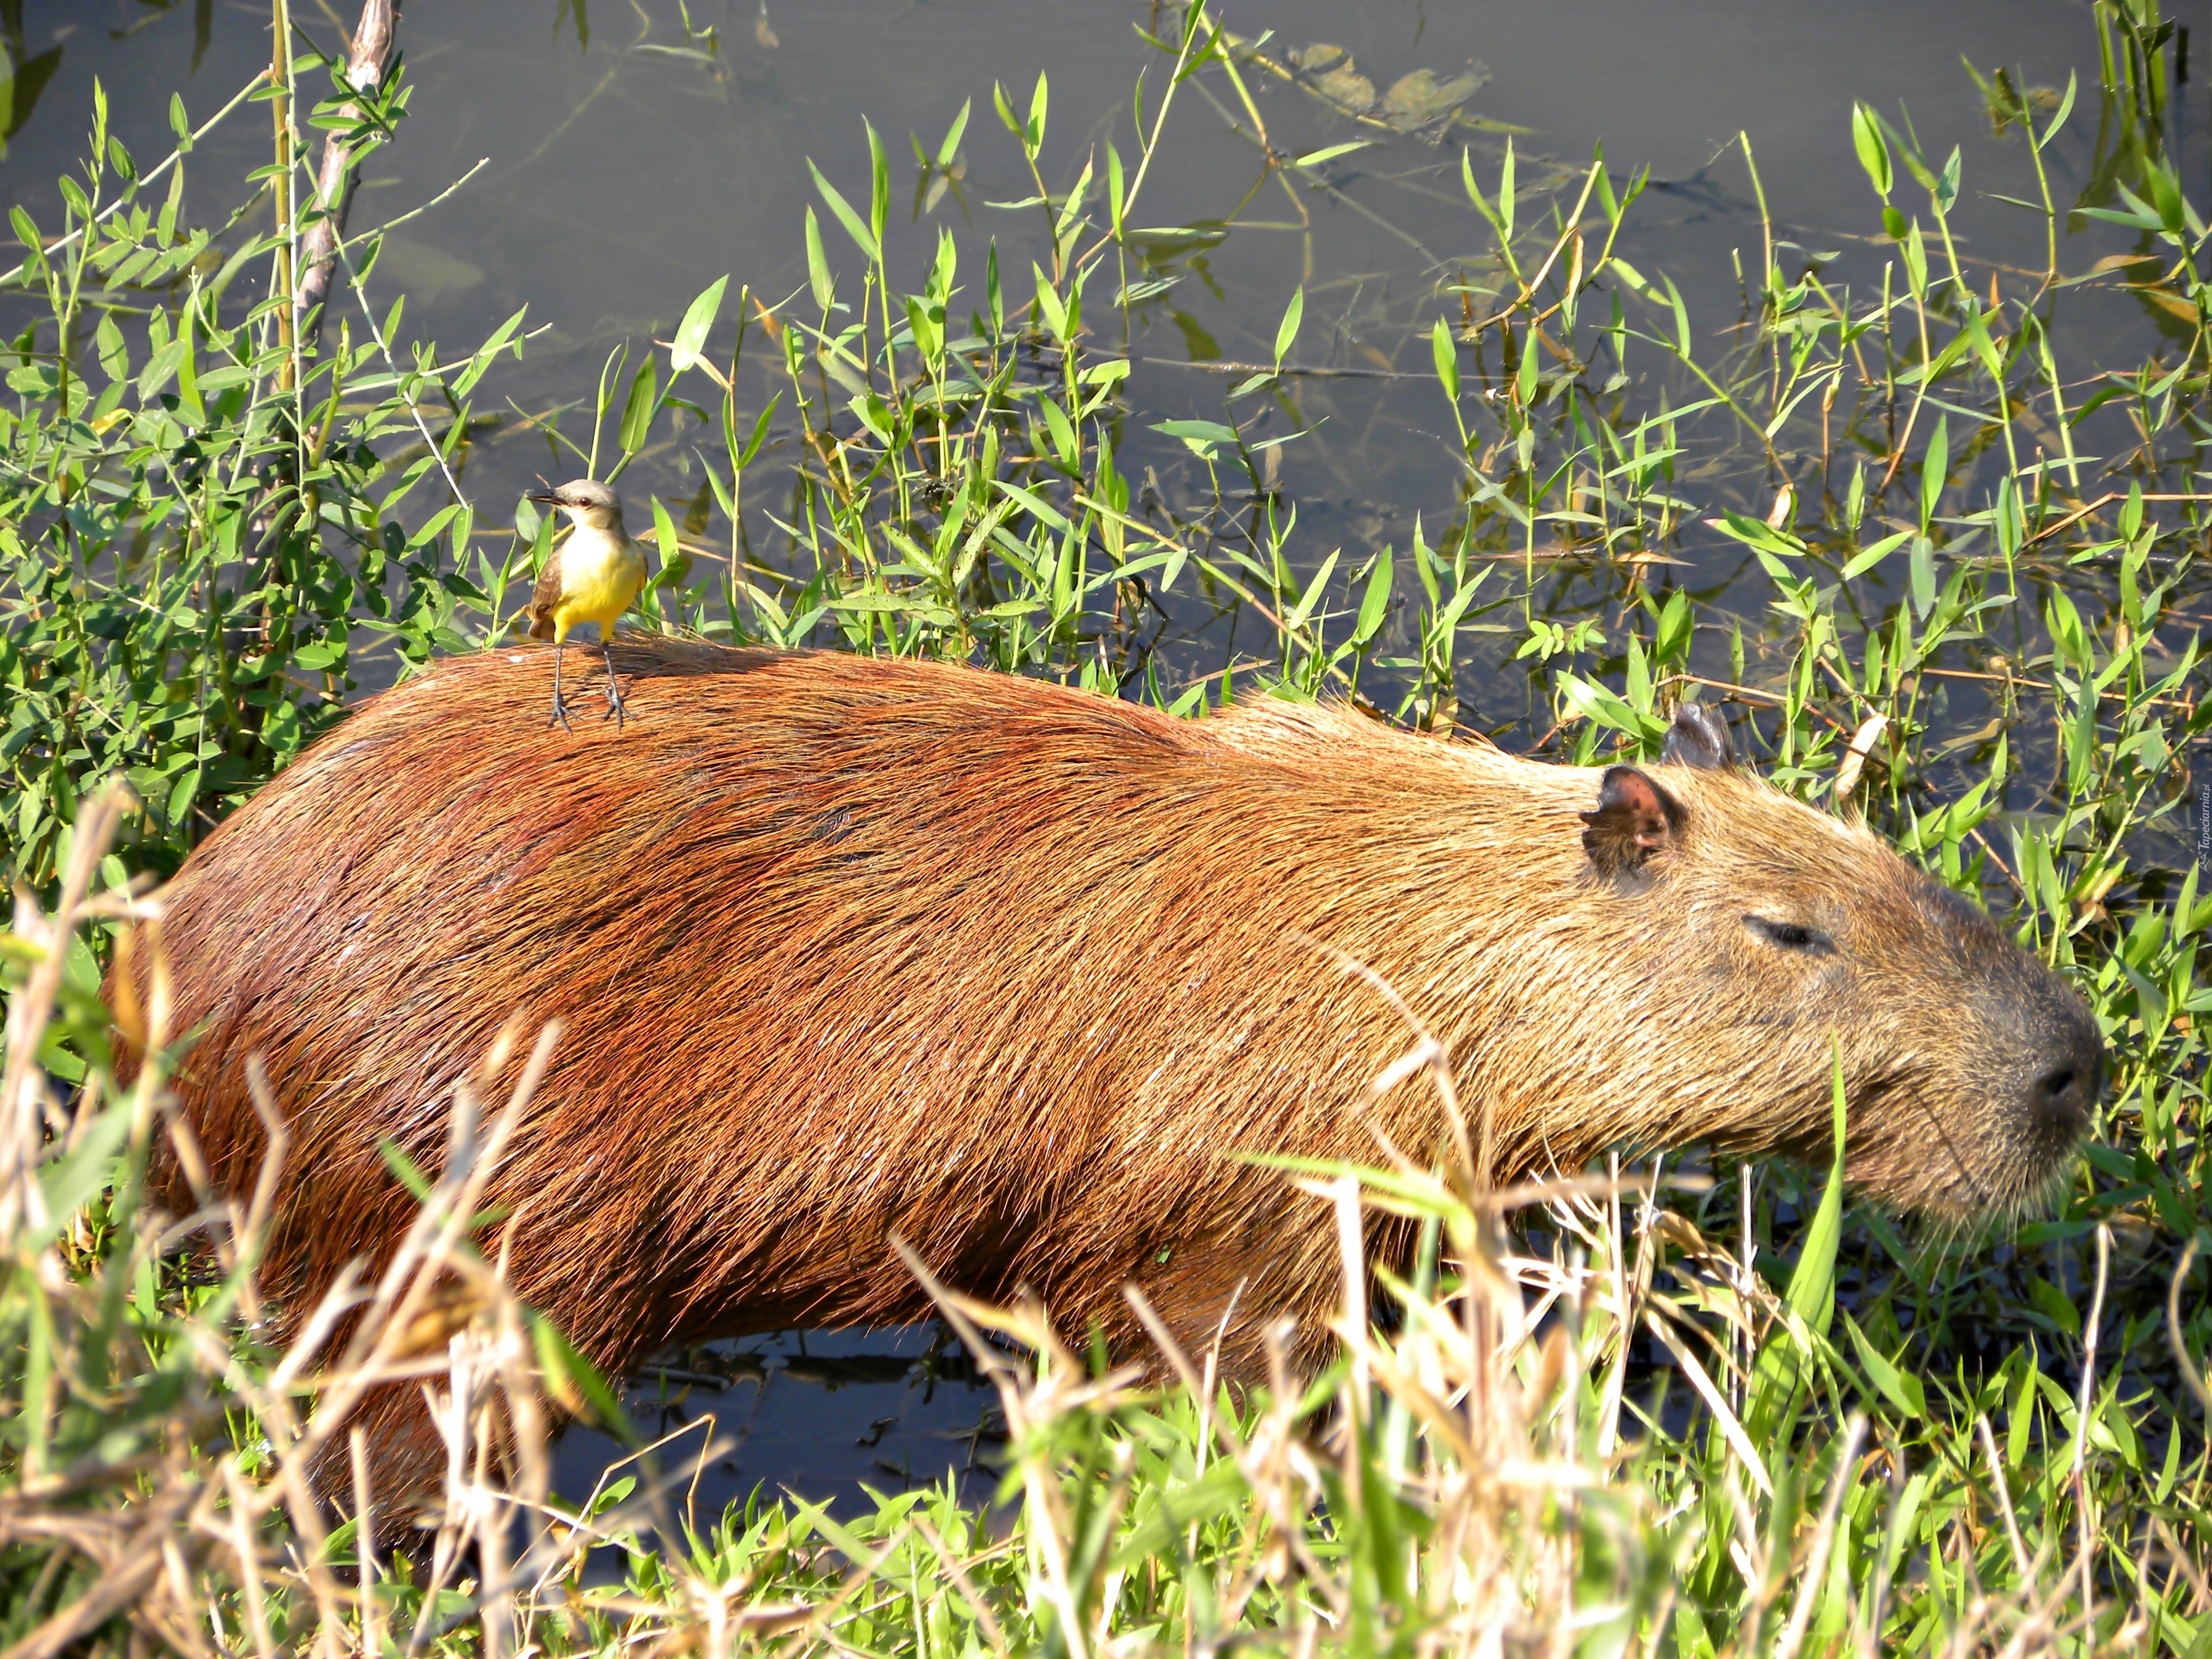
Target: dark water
821,1414
626,164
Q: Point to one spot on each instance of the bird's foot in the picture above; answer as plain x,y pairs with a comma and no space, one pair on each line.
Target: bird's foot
618,710
560,715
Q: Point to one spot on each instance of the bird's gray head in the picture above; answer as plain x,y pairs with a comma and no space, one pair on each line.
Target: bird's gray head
586,501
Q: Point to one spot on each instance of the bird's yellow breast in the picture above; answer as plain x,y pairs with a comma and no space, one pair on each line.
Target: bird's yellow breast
599,577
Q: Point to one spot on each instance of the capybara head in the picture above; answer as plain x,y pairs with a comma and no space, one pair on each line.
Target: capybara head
1787,938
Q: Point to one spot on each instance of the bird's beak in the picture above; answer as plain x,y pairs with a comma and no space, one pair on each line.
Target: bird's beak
545,496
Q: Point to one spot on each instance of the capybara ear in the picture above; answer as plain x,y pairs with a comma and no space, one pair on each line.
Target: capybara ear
1635,819
1698,737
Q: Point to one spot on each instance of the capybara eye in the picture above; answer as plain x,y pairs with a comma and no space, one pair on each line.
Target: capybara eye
1791,936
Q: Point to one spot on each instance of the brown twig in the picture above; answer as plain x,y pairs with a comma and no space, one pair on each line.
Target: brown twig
365,58
1285,369
2104,499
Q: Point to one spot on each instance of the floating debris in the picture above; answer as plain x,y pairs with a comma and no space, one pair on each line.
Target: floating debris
1415,102
1419,100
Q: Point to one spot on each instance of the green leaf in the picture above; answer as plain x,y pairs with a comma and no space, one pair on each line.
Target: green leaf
951,148
1596,704
1286,333
1675,627
818,279
1328,152
1474,191
927,337
887,603
1200,435
2065,109
114,355
1446,352
1758,533
1681,316
1916,259
2047,1299
1874,151
1923,575
611,1496
404,1169
160,368
1065,445
568,1372
879,185
690,341
188,381
1374,602
69,1182
845,216
1812,1293
760,432
26,233
181,797
808,1518
337,1542
675,563
1505,195
1867,559
875,414
1779,1371
1947,182
1902,1389
480,360
1637,679
637,413
1934,470
1052,307
428,531
1033,129
1038,507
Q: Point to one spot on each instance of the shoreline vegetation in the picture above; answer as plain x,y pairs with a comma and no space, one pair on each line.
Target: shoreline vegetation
1670,1409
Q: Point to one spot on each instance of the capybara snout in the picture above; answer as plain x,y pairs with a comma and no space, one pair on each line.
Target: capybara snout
2041,1044
2016,1071
841,948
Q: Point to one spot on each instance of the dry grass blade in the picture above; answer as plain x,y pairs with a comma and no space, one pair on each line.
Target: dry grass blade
1739,1438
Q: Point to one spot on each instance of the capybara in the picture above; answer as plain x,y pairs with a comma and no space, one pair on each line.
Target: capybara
842,948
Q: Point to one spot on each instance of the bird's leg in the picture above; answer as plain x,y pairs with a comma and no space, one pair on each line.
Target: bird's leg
615,710
560,709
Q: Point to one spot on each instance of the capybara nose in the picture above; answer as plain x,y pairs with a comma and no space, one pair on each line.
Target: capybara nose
2066,1092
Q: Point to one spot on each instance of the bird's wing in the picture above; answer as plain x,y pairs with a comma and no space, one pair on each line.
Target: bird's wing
540,608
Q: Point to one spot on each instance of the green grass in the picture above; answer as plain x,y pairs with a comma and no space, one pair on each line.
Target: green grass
1964,597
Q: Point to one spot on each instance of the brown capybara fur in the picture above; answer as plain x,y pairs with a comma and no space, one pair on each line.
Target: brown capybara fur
841,948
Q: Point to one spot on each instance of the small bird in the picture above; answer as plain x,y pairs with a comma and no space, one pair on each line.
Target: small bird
592,577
